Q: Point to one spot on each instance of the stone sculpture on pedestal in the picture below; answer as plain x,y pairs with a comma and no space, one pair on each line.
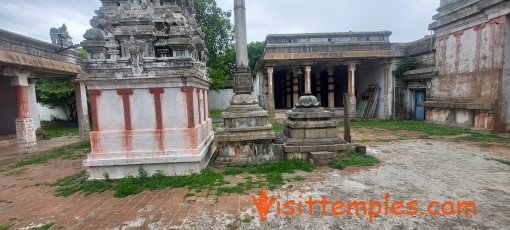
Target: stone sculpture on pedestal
310,133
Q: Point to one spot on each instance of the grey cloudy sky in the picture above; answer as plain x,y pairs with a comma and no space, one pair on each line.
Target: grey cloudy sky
407,19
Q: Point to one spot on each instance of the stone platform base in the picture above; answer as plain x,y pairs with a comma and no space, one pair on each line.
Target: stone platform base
303,152
248,152
322,158
169,165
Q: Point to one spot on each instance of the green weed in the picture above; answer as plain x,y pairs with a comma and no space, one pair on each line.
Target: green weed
233,171
66,152
59,129
355,159
278,128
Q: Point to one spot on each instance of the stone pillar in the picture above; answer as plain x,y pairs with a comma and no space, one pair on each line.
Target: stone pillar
387,86
32,103
270,92
240,32
82,109
331,87
289,95
352,88
308,80
295,75
318,86
25,129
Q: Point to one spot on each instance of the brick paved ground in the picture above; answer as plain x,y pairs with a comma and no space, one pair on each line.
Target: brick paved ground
460,171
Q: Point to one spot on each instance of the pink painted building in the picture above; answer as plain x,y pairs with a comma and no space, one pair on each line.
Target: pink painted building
473,58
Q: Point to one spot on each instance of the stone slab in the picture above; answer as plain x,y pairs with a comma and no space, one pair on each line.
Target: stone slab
320,159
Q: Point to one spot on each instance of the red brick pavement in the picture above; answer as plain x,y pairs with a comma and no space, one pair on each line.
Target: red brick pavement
25,204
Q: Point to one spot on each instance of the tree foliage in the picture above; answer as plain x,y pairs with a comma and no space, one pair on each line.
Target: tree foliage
255,53
57,93
219,38
406,64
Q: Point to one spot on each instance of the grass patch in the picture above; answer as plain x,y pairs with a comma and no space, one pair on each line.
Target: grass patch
275,178
16,173
59,129
216,124
239,188
278,128
67,152
6,201
246,220
506,162
363,141
233,171
424,137
208,179
5,227
131,185
43,227
429,129
286,166
355,159
299,178
274,171
189,194
216,113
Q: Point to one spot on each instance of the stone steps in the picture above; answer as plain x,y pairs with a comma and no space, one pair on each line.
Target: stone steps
320,159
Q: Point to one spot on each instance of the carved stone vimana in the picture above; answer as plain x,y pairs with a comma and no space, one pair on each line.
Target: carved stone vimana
148,86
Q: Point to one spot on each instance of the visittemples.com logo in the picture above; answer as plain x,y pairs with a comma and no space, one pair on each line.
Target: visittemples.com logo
304,206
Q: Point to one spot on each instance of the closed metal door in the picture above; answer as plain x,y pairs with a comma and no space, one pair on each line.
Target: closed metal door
420,96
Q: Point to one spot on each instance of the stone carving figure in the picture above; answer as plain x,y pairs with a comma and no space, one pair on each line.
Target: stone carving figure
135,49
61,36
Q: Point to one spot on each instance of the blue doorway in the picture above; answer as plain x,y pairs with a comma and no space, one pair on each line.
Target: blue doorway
420,96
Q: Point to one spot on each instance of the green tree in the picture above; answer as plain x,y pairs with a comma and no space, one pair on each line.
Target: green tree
57,93
84,55
255,53
219,38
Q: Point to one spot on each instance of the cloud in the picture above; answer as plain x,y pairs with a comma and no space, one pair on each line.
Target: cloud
408,20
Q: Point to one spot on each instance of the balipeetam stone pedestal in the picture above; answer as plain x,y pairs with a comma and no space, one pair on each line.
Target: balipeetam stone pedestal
246,135
310,133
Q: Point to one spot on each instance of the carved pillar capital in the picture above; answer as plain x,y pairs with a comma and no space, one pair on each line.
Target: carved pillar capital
270,70
296,71
351,64
331,71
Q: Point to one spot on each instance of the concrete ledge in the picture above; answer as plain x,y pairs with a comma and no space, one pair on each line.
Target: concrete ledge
459,105
318,148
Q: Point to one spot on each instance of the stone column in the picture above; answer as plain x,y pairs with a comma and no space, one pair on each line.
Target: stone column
331,87
32,103
289,95
386,88
352,88
82,109
295,75
308,80
270,92
25,129
240,32
318,86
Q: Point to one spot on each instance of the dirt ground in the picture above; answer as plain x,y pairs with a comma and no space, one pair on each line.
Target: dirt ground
438,169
